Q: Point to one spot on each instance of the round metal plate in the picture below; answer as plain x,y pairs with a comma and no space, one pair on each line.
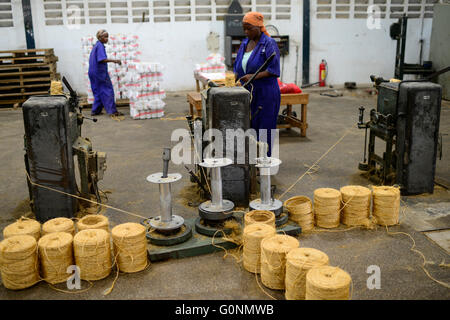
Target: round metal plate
209,212
210,231
158,224
267,162
276,207
214,163
157,178
170,240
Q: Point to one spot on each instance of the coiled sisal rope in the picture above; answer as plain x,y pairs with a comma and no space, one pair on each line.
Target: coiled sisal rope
298,262
259,216
386,205
19,264
93,221
327,205
273,259
56,255
130,246
253,235
23,226
301,211
92,252
356,205
58,225
327,283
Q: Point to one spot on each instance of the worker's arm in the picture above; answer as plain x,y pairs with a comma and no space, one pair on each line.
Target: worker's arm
262,74
111,60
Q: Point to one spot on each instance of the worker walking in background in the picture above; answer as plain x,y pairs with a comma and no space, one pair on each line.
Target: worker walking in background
101,85
266,96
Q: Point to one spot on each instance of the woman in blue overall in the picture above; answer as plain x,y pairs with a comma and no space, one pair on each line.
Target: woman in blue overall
266,96
101,85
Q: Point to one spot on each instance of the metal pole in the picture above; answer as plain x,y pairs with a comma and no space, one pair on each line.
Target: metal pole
165,202
265,186
216,187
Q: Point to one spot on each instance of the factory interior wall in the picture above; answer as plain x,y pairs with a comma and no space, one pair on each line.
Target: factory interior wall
12,31
351,49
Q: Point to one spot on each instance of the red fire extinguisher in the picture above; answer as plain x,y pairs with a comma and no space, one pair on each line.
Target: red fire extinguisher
322,73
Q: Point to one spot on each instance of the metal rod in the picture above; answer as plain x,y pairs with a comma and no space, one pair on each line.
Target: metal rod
265,186
165,202
216,187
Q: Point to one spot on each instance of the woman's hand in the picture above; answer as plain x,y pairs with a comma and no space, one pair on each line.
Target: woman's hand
246,77
118,62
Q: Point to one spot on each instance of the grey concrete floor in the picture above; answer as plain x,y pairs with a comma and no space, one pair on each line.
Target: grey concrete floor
134,149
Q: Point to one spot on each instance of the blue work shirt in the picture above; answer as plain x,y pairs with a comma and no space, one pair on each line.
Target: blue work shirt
96,68
266,91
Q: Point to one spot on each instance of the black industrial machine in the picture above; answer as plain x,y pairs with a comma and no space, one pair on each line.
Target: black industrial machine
397,32
52,140
407,120
234,34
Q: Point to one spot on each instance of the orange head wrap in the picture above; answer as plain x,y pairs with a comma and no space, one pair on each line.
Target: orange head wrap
256,19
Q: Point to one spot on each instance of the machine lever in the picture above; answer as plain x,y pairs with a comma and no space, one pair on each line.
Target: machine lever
166,159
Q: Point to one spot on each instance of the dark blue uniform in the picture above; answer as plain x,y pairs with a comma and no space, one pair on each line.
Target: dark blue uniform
101,85
266,91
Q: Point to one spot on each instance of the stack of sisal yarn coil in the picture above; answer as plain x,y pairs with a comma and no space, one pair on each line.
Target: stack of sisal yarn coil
327,283
253,235
356,205
327,205
301,211
93,221
386,205
259,216
298,262
19,264
273,259
23,226
130,246
58,225
92,252
56,255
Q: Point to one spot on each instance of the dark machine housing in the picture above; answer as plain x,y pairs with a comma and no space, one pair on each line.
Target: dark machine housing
407,120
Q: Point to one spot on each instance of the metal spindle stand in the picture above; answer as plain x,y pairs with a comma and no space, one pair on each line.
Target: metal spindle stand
169,229
213,213
266,202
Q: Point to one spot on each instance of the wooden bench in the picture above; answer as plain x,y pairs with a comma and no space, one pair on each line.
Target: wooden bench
195,101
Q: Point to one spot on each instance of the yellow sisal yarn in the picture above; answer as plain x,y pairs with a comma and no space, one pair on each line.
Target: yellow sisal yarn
130,246
259,216
58,225
386,205
356,205
92,252
327,205
301,211
23,226
273,259
298,262
93,221
327,283
19,264
56,255
253,235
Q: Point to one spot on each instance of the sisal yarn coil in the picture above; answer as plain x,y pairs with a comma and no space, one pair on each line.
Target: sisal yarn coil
58,225
356,205
298,262
273,259
56,88
23,226
56,255
130,246
327,205
92,252
386,205
259,216
253,235
93,221
301,211
19,264
327,283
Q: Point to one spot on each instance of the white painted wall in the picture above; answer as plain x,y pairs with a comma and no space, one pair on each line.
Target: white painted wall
352,51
